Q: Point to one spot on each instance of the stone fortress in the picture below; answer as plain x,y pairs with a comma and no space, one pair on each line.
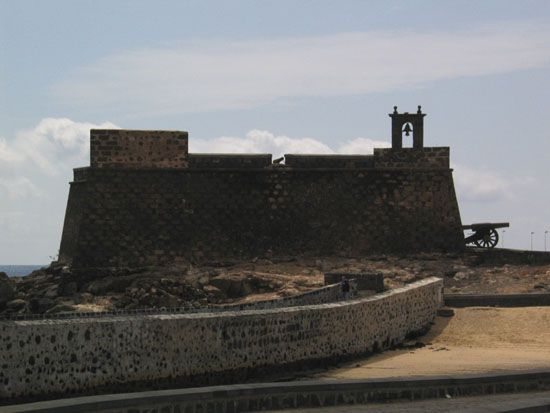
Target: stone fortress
144,200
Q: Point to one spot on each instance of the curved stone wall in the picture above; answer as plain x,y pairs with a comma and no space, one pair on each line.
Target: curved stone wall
63,357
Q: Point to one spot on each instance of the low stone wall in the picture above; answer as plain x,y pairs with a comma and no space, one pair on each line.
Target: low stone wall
497,300
48,358
328,294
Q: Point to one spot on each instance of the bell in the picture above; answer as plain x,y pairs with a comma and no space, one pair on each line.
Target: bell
407,129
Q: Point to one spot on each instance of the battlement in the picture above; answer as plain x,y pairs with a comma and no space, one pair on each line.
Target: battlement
120,148
140,149
417,158
229,161
329,161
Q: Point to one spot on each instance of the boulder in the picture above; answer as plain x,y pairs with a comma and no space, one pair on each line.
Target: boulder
445,312
111,284
67,289
16,305
168,301
7,291
3,275
40,304
60,308
233,285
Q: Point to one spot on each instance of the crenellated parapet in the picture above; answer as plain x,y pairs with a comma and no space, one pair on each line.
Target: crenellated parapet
120,148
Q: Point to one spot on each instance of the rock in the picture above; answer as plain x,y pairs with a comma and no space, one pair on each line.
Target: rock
460,275
168,300
7,291
16,305
51,292
212,290
233,286
111,284
67,289
40,305
445,312
60,308
3,276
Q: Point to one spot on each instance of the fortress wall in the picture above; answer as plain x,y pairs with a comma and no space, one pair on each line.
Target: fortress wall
222,160
61,357
133,217
329,161
434,157
118,148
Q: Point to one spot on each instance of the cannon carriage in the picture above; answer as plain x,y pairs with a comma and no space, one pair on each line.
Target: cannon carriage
485,234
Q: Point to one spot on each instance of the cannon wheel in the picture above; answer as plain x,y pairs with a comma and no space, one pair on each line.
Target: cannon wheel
489,240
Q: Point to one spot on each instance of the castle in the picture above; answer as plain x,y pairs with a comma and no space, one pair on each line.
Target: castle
144,200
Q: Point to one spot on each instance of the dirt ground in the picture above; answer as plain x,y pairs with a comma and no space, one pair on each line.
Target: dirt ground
475,340
60,289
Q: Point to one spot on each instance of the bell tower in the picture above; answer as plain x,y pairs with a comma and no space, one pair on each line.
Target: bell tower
407,123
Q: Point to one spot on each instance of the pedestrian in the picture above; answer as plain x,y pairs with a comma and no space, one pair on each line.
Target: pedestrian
345,287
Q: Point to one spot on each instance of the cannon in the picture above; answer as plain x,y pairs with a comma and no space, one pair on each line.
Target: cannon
485,234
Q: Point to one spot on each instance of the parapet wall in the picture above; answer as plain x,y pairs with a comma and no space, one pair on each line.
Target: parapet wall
416,158
62,357
119,148
229,161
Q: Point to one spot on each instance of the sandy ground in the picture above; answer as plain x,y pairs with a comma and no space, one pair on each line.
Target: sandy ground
476,339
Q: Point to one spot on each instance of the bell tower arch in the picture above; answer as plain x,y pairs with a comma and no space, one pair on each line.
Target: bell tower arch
407,123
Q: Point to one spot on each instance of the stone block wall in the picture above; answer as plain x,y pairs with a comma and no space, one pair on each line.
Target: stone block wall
231,161
118,148
135,217
329,161
416,158
63,357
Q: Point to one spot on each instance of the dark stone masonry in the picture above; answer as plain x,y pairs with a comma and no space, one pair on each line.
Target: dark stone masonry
145,201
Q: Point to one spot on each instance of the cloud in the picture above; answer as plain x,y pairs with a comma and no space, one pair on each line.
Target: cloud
258,141
53,145
483,185
18,187
204,75
52,148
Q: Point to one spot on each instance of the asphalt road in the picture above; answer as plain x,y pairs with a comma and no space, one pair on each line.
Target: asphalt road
481,404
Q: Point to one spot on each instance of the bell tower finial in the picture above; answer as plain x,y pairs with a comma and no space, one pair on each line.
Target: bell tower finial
407,123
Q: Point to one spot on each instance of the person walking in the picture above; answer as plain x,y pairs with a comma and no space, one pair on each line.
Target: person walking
345,287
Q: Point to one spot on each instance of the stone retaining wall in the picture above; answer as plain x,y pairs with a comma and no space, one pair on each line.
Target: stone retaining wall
42,358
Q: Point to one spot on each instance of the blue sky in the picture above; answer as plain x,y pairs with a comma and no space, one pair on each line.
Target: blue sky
266,75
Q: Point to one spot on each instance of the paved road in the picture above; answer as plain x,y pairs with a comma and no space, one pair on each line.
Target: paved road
481,404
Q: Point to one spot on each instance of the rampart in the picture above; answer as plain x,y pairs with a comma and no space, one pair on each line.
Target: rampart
61,357
146,201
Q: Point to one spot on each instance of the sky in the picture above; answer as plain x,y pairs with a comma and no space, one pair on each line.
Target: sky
278,77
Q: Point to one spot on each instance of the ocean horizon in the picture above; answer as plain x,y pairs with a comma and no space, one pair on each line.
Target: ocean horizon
20,270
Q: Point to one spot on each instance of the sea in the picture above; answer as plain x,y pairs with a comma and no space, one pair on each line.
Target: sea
19,270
